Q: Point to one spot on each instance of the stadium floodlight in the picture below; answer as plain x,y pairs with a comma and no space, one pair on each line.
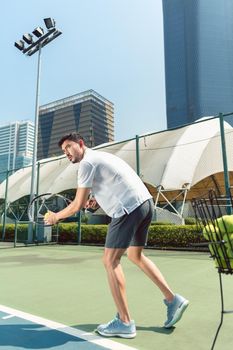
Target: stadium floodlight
33,46
38,32
50,23
28,38
19,44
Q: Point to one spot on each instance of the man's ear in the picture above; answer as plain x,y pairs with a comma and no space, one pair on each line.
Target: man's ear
81,143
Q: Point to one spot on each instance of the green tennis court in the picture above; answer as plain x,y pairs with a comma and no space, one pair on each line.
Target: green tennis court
67,286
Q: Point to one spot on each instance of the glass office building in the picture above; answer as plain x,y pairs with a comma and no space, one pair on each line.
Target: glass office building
16,146
198,42
88,113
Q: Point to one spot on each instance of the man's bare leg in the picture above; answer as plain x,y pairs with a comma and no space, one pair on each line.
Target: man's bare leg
136,255
116,280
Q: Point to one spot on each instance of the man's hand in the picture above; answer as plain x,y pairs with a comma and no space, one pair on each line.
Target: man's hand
92,205
50,218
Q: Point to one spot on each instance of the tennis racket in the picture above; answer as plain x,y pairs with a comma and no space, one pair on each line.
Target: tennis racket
42,204
93,205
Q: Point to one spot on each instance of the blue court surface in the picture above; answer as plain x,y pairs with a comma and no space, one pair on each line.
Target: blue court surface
20,330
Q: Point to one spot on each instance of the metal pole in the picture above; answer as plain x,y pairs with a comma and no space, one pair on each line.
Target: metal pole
137,155
6,188
34,158
224,158
5,207
9,151
15,236
79,227
36,193
38,178
222,311
33,175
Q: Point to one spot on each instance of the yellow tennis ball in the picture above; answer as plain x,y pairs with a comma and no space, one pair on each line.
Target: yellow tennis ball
210,232
225,223
46,215
229,252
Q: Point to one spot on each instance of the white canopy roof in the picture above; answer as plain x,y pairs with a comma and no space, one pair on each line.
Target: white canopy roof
171,159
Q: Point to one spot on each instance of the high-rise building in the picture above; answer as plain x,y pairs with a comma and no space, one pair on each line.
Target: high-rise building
16,146
198,42
88,113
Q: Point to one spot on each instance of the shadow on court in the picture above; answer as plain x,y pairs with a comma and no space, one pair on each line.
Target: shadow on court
30,336
161,330
86,327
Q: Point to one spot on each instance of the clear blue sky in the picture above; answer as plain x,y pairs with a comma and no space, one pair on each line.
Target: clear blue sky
112,46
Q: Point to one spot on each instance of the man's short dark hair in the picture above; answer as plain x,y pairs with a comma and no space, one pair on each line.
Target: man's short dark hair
73,136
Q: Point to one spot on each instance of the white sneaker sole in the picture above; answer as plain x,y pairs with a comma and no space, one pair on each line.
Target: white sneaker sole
178,314
121,335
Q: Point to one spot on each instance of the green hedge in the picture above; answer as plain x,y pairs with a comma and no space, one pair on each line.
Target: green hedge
90,233
174,236
163,236
10,232
159,235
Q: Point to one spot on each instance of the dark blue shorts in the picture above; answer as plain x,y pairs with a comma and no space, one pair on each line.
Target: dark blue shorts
130,229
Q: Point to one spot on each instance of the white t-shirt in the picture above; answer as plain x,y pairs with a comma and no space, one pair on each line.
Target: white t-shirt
115,185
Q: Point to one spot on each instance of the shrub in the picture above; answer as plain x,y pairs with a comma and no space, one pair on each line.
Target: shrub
161,223
190,221
89,233
161,236
174,236
22,232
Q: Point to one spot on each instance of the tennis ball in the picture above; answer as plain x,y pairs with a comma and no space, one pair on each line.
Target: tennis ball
46,215
211,249
229,247
228,238
225,224
216,251
221,264
210,232
219,254
225,258
230,252
221,251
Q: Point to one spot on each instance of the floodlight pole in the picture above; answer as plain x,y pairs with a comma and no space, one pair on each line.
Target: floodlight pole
34,46
34,158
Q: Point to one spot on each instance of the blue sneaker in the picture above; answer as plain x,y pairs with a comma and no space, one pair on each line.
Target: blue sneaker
175,310
117,328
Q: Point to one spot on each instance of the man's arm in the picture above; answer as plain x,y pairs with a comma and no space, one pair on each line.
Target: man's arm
76,205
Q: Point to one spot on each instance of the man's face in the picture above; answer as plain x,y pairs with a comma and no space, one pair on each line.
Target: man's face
74,151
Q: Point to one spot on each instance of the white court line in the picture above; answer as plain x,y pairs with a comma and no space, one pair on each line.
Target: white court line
91,338
8,316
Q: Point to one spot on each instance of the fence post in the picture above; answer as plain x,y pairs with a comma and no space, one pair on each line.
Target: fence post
137,155
79,227
225,165
5,207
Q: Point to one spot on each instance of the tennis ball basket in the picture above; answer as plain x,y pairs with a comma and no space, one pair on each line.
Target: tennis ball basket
214,216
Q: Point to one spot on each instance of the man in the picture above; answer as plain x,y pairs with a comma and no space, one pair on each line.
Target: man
123,196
